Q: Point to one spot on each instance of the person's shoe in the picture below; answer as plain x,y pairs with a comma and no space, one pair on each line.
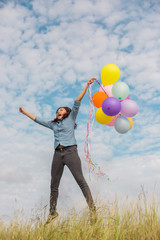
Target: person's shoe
51,217
93,216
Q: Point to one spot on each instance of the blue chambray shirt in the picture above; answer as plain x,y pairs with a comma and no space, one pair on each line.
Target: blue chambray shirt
63,129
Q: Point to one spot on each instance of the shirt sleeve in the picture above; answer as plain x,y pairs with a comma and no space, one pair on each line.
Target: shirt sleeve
75,109
47,124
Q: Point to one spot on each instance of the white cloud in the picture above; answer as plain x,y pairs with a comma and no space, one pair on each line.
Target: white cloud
85,109
12,175
47,55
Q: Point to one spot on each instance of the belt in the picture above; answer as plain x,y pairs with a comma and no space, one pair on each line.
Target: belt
63,148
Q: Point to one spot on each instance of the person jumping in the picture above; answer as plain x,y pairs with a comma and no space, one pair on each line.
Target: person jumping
65,152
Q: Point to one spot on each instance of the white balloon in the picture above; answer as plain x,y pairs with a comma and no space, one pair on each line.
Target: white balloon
122,124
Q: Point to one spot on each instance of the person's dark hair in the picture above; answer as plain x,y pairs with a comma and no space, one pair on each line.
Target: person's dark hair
68,111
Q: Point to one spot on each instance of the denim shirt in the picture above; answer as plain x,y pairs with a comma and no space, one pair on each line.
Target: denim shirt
63,129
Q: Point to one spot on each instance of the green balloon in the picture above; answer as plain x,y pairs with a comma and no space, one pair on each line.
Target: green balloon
120,90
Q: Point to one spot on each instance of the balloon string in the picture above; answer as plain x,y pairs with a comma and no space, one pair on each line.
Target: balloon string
86,146
101,87
91,166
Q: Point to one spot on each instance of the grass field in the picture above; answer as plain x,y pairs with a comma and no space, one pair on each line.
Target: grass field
138,220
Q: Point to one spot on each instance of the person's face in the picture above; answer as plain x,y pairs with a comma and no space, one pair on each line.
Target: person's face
60,113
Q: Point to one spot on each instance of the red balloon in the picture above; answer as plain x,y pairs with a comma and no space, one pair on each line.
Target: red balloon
111,124
127,98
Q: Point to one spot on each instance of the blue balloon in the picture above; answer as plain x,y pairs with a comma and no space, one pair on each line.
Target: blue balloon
122,124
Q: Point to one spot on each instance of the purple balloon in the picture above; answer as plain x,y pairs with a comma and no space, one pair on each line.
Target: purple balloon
129,108
111,106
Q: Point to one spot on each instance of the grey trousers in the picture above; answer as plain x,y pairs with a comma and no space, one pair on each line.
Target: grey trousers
68,156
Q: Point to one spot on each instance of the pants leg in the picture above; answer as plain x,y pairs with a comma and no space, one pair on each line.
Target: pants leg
73,162
56,174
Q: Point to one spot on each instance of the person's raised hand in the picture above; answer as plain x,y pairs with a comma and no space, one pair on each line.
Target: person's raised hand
21,110
90,81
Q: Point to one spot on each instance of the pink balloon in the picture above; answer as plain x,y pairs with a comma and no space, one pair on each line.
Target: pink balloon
127,98
108,90
111,124
129,108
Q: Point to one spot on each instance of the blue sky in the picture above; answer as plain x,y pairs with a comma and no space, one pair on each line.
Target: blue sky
48,51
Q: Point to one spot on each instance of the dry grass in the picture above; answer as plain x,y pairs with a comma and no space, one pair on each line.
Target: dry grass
137,220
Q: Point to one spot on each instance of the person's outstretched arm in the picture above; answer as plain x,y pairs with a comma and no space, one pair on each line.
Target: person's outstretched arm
42,122
81,95
27,114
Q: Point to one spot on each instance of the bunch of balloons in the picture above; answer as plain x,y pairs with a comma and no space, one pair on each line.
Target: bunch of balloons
115,108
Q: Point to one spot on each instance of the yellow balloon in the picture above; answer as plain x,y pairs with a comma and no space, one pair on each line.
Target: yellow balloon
102,118
110,74
131,122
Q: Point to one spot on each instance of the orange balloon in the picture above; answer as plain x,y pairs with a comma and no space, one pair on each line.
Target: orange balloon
98,99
